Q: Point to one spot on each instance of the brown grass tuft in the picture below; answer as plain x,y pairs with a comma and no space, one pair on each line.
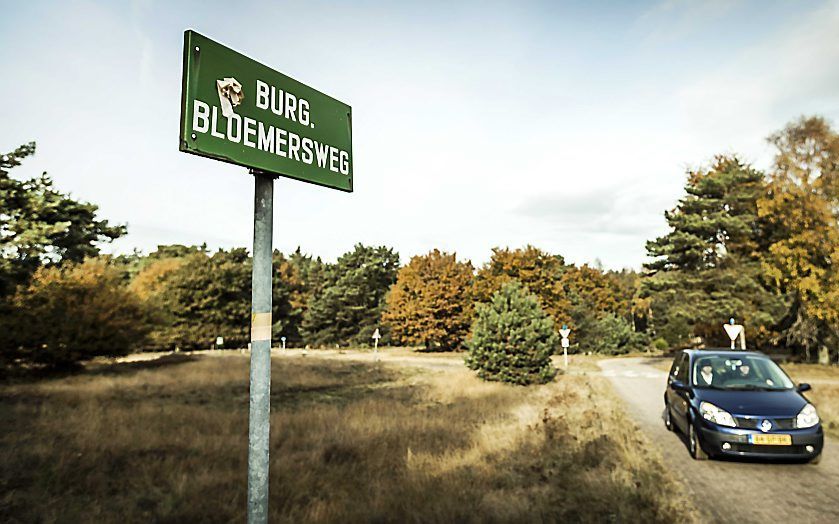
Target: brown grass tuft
351,441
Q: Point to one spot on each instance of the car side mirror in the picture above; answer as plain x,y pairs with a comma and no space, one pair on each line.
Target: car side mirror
678,385
804,387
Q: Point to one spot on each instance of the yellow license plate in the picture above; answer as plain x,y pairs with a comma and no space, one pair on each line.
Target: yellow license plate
771,440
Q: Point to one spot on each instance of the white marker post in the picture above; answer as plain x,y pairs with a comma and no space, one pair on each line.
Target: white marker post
282,339
733,331
565,343
376,337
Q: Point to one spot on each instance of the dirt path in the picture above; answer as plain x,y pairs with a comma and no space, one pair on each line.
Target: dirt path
729,491
439,361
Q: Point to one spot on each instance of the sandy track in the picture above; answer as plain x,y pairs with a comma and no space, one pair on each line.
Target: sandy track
729,491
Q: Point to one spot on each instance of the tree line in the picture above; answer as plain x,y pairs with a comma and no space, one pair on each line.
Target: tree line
762,247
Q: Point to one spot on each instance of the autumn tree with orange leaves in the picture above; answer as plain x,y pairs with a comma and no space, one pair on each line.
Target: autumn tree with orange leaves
800,214
431,303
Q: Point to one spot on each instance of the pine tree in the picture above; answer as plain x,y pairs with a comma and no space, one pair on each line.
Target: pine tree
431,303
349,307
288,300
707,268
41,226
513,338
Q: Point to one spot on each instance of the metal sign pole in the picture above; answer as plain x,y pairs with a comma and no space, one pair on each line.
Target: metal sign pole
245,90
260,375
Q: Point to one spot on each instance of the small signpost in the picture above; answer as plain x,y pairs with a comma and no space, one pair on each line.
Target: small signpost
376,337
282,339
733,331
564,332
236,110
219,342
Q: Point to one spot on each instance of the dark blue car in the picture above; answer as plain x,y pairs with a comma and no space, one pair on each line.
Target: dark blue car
740,403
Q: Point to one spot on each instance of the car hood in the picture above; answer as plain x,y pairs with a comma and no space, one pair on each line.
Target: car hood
782,403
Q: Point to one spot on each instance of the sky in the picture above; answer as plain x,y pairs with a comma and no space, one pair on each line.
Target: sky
565,125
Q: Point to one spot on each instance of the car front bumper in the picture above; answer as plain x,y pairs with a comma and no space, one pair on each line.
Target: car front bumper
734,442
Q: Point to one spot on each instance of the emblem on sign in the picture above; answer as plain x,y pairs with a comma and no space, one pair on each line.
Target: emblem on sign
230,95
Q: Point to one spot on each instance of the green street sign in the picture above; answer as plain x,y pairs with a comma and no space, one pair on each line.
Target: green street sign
237,110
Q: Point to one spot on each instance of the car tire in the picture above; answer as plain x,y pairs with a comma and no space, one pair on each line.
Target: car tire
668,421
696,450
815,460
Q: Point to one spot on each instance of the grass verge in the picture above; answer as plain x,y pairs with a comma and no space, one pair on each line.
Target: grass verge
351,441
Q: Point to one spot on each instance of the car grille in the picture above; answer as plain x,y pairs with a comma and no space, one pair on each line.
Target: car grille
754,423
772,450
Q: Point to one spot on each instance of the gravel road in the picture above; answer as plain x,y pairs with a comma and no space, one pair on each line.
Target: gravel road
729,491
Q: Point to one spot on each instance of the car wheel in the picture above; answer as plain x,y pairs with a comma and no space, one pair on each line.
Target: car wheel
815,460
668,422
696,450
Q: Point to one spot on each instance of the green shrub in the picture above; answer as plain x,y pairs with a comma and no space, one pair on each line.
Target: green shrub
74,312
613,335
660,344
512,338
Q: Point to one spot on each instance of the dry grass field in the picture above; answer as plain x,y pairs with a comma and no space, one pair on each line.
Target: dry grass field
165,441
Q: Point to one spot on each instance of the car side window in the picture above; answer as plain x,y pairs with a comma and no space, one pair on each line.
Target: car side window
674,369
684,369
679,367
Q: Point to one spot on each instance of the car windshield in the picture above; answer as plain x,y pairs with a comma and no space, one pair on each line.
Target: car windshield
741,372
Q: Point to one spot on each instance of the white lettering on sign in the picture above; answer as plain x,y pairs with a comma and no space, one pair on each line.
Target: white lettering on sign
345,163
201,117
250,130
234,128
214,126
307,150
282,103
303,112
293,145
266,138
321,150
281,140
256,134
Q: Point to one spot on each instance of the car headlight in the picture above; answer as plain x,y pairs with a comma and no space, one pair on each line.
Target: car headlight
807,417
716,415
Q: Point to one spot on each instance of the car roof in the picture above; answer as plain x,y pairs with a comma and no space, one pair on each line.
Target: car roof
724,352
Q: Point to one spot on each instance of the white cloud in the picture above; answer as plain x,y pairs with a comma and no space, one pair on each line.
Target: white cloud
762,87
